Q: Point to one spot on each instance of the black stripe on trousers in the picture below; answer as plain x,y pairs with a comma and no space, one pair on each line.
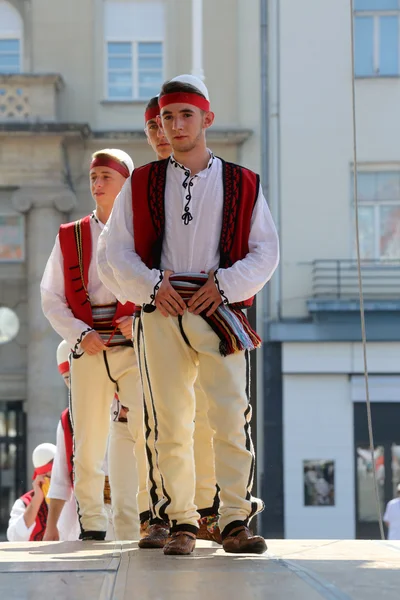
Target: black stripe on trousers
162,511
71,358
249,443
153,489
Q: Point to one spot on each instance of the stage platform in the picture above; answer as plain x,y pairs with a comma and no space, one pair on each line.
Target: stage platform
292,569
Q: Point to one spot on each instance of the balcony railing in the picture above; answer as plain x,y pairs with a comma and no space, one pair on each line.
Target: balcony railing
338,279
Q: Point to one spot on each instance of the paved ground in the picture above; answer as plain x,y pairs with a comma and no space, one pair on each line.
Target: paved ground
292,569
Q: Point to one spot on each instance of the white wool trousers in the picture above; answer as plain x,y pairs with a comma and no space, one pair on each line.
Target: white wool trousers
173,353
123,474
94,381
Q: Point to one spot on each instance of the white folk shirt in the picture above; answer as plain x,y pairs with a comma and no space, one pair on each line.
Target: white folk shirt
61,489
392,517
52,287
191,248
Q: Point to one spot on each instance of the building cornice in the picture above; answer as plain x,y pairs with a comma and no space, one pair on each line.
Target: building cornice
223,135
32,79
37,127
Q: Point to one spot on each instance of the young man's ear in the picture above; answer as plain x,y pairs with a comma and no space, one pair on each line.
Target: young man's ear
208,119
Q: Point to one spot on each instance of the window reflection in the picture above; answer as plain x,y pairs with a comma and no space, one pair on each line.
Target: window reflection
365,478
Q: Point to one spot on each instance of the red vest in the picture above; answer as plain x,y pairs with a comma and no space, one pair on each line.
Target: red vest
76,247
69,442
41,518
241,188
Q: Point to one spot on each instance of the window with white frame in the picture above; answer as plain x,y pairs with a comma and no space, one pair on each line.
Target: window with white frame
376,33
10,39
379,214
134,37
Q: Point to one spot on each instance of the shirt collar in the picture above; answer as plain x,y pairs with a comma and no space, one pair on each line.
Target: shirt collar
96,219
202,173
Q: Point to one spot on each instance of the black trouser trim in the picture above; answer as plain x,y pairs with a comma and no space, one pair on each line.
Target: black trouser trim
185,337
211,510
149,456
144,516
231,526
108,370
157,521
184,527
163,510
92,535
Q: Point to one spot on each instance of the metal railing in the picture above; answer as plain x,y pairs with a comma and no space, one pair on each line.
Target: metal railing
337,279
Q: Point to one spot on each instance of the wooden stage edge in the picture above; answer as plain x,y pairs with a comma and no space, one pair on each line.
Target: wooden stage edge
291,569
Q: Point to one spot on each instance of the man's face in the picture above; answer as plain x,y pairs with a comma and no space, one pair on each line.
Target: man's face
156,139
66,378
105,185
184,125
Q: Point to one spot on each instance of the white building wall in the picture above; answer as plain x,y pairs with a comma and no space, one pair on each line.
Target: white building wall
318,424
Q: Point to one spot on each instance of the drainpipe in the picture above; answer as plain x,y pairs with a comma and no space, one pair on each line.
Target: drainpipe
197,39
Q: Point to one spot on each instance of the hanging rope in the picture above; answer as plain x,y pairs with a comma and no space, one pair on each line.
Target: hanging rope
360,284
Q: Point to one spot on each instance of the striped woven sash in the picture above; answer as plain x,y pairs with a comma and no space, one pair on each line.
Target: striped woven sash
103,323
229,323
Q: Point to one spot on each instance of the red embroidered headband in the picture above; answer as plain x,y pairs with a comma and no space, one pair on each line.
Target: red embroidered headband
43,470
151,113
63,367
186,98
111,163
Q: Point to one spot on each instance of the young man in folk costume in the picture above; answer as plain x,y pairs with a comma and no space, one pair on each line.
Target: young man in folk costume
192,241
120,486
29,513
98,328
206,496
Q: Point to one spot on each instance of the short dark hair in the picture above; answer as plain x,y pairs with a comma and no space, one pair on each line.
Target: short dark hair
152,103
171,87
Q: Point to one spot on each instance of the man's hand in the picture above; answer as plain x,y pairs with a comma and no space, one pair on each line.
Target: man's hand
125,326
92,343
207,296
37,488
168,301
51,535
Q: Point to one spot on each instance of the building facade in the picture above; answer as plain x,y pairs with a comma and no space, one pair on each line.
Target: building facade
319,473
75,77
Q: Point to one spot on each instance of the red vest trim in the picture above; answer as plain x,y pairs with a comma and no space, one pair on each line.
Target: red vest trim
69,442
76,247
41,518
241,188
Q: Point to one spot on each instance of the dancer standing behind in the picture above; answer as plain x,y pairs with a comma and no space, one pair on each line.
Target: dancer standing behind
98,328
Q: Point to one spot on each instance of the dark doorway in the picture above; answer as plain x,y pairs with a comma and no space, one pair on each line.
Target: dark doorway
385,420
12,458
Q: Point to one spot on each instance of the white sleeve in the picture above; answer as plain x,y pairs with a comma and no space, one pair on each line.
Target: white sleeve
248,276
60,482
54,303
137,283
17,530
104,270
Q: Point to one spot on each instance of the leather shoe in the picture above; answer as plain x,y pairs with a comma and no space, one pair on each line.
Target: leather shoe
156,536
240,540
180,542
209,530
144,528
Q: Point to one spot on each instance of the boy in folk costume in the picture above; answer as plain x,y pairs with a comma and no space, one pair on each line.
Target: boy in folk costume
29,513
120,486
191,240
206,497
98,328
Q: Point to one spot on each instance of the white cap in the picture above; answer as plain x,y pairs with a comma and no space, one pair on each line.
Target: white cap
119,155
195,82
63,351
43,454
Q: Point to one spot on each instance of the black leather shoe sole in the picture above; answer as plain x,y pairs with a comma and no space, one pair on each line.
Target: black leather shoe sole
98,536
